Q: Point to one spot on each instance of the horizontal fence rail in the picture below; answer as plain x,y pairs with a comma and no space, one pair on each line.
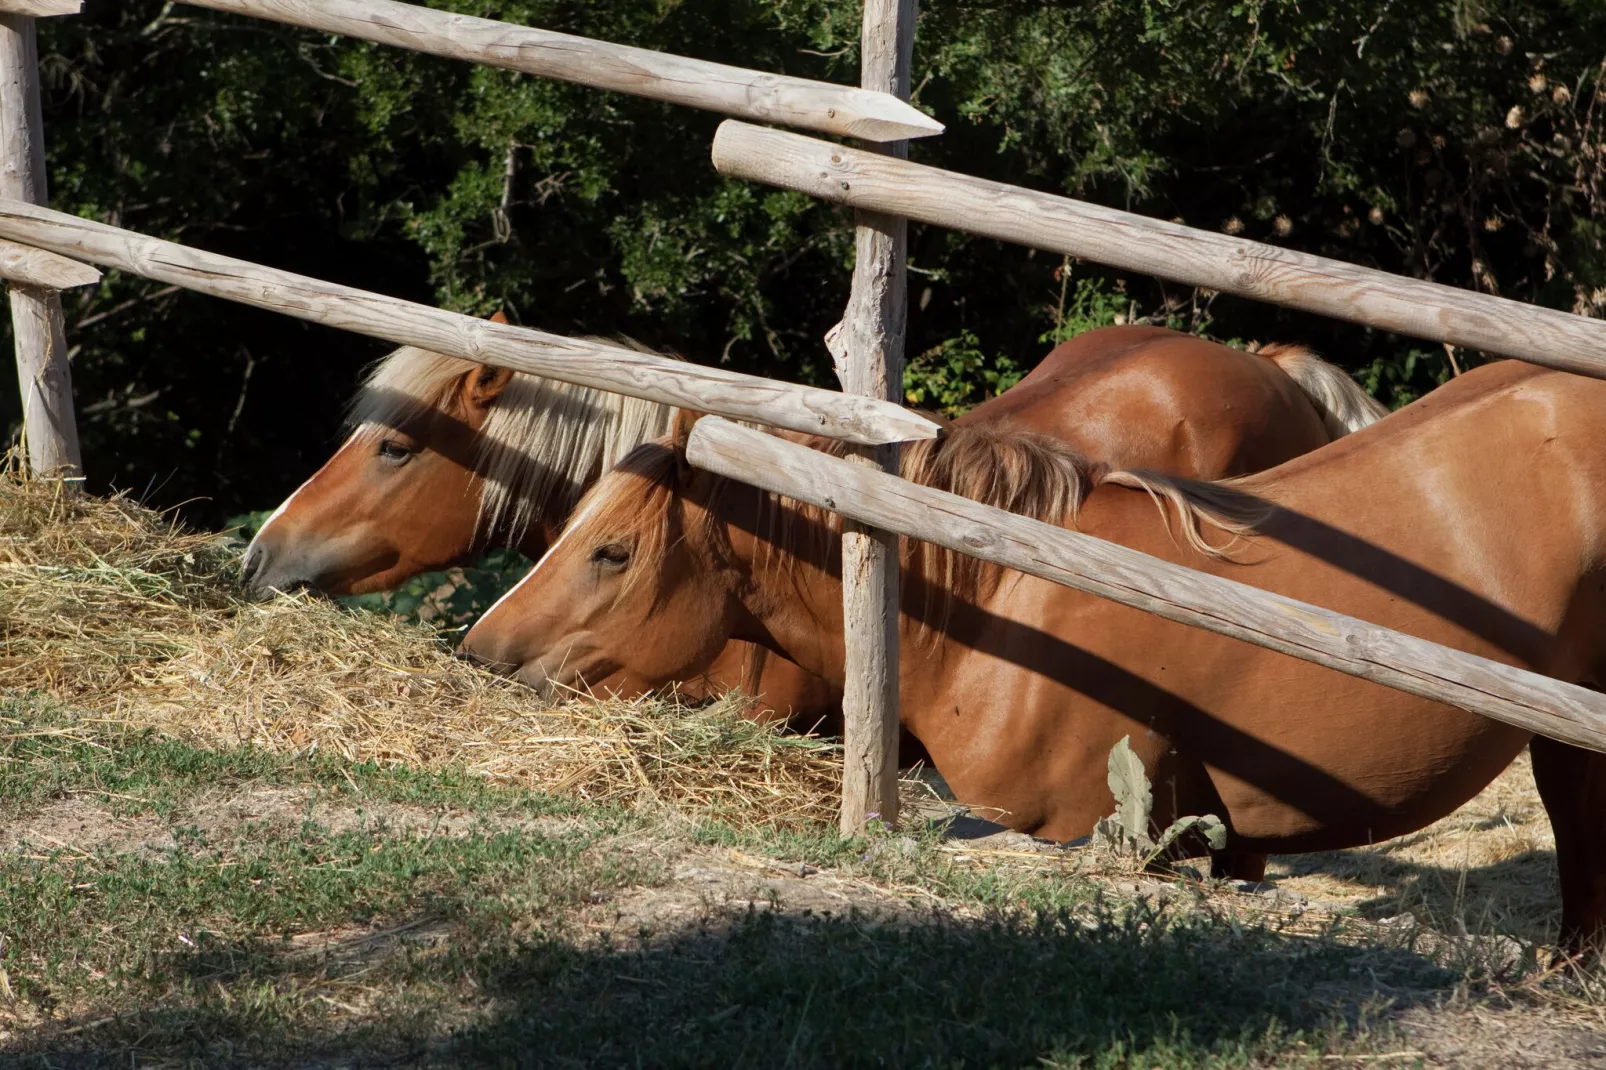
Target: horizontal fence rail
1528,700
589,363
867,180
35,267
41,8
768,98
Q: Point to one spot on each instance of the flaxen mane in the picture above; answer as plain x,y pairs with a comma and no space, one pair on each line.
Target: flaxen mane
1022,472
543,441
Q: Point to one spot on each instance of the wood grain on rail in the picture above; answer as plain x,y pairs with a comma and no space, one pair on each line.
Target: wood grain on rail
46,271
41,8
769,98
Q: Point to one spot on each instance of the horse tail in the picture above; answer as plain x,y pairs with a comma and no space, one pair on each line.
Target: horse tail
1197,503
1344,407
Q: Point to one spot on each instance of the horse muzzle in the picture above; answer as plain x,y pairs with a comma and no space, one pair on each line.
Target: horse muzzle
531,674
263,574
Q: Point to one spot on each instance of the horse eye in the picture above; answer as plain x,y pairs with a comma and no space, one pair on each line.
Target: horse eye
391,450
614,555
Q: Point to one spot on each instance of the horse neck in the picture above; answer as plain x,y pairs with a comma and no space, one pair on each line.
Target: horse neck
789,587
792,596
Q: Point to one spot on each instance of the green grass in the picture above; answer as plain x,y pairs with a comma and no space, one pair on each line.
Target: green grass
119,917
908,861
46,753
369,930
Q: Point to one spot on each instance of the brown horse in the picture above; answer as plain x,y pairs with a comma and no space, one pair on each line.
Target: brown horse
449,458
1475,518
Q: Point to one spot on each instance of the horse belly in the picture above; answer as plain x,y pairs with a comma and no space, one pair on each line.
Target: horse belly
1296,757
1321,761
1021,723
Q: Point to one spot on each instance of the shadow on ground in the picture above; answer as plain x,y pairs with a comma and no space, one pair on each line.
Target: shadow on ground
766,989
1518,896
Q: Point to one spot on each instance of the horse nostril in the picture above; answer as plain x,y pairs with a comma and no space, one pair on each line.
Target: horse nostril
464,652
251,564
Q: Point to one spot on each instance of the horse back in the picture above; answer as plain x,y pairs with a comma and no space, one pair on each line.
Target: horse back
1148,397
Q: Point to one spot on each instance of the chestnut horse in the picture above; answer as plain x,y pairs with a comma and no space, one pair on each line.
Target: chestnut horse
449,458
1475,518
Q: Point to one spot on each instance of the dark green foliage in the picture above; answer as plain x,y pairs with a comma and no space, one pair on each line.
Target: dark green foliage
1457,140
450,600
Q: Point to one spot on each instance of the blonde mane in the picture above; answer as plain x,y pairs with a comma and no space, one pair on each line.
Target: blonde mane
543,442
1022,472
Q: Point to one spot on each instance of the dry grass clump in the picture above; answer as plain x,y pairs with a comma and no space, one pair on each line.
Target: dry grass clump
119,612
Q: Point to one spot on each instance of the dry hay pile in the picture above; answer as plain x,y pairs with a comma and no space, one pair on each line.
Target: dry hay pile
127,618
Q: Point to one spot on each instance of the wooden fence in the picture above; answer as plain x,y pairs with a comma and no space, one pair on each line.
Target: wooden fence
872,182
50,426
885,190
867,414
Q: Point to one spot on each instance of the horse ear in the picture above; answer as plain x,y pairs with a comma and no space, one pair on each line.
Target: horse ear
685,420
484,385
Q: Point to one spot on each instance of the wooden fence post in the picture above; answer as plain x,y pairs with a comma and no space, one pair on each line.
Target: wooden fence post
872,340
50,428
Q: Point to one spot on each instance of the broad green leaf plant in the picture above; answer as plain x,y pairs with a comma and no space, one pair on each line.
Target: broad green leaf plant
1128,831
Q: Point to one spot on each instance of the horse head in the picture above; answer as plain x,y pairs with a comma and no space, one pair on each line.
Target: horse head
639,591
391,502
447,458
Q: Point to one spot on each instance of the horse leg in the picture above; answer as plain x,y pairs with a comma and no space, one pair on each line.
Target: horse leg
1183,786
1572,783
1233,865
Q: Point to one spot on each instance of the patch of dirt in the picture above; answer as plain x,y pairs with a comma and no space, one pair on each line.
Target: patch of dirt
704,887
83,823
1487,1038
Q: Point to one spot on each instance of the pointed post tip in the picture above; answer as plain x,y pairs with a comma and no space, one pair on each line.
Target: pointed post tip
883,117
890,422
